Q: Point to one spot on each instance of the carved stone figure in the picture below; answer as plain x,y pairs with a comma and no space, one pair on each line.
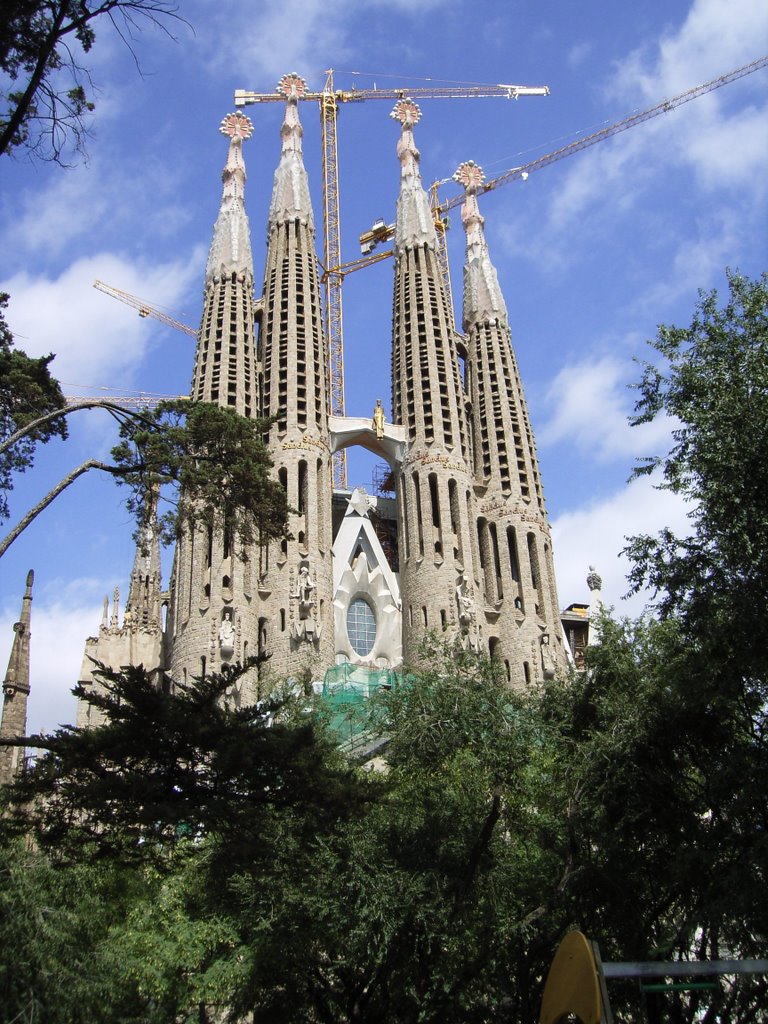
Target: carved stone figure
547,661
305,587
465,602
227,634
378,419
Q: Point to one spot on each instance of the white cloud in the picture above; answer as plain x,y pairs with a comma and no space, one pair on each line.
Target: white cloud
714,38
293,35
578,54
596,534
62,617
591,403
93,202
97,340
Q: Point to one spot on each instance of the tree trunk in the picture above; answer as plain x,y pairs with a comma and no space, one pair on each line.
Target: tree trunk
53,493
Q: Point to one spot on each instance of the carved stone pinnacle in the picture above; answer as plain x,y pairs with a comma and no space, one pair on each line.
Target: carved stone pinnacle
292,86
469,175
236,126
407,112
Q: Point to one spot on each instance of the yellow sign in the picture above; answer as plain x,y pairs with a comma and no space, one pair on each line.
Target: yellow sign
573,983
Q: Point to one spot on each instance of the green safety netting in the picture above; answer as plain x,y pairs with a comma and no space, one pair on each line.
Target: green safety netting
347,690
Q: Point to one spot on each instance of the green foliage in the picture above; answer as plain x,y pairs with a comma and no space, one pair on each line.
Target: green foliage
43,102
54,925
172,763
27,391
216,463
714,382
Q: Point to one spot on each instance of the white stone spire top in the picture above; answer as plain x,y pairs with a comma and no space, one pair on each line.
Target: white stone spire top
482,296
290,192
231,246
414,225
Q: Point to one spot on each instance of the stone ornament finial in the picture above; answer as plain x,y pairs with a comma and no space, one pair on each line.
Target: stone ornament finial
594,580
236,126
407,112
292,86
470,176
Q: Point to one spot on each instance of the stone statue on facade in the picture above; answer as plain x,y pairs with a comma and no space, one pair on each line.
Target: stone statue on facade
306,628
305,587
465,602
378,419
547,660
227,634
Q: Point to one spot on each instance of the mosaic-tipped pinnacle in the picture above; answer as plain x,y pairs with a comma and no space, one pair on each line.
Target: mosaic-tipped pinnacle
236,126
406,112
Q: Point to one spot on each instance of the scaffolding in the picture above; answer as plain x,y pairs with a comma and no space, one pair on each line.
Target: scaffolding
346,697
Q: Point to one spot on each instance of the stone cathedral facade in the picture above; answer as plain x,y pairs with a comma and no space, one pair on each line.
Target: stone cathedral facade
468,554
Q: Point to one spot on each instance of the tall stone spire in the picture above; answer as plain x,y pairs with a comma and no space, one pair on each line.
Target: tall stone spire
435,487
16,690
225,359
143,608
482,296
414,224
516,571
212,610
290,192
295,578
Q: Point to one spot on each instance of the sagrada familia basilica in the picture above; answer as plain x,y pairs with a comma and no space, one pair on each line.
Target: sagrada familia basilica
463,550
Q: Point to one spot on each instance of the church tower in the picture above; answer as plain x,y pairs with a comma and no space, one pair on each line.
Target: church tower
16,690
214,602
437,549
138,640
517,595
295,577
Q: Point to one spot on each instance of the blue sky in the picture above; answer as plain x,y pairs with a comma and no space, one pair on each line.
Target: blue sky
592,252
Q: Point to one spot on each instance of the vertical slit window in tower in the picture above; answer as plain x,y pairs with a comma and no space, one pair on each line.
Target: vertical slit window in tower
496,561
303,500
443,620
402,489
187,584
319,491
209,547
533,557
434,500
282,620
227,540
424,616
526,672
514,567
453,505
482,552
419,521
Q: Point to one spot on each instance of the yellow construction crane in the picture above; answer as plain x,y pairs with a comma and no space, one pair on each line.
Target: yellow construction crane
381,232
144,308
332,277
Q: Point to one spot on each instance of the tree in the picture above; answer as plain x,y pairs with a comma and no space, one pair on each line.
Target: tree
174,762
209,463
714,383
664,740
27,392
46,99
